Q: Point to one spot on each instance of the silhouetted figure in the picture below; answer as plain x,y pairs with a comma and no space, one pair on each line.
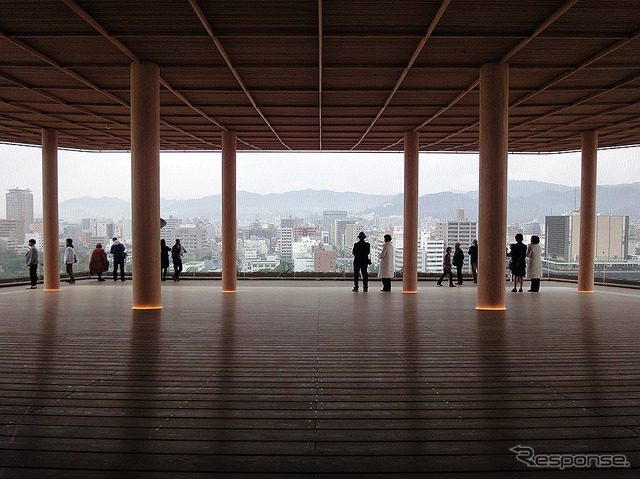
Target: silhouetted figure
164,258
176,255
458,261
473,259
119,255
517,264
361,261
32,261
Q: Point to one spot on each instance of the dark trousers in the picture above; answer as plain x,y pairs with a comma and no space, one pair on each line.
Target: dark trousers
33,274
118,262
177,268
386,284
474,272
459,271
357,269
535,285
70,273
446,273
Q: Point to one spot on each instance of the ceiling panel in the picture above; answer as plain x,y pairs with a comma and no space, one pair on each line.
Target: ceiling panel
358,76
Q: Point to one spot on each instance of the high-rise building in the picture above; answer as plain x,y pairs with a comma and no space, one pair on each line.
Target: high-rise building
532,228
557,237
562,237
324,259
460,231
300,231
20,205
87,223
284,246
328,217
104,229
291,222
20,208
337,233
433,252
351,232
166,232
194,241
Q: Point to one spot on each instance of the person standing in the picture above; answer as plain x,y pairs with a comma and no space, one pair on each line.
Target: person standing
458,261
361,262
517,264
473,259
164,258
119,254
70,258
446,268
534,266
32,261
386,264
98,263
177,251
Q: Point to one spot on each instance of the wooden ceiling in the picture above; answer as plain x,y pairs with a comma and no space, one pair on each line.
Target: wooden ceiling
321,75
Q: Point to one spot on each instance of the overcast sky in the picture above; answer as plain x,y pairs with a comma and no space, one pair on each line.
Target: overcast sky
193,175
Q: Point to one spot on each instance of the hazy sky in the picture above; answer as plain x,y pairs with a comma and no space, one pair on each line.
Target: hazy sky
193,175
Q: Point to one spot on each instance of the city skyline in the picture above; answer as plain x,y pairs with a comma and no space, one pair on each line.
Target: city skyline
188,175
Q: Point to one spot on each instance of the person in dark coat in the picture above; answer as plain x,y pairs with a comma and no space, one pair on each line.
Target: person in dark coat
31,259
117,250
517,264
446,268
361,261
98,263
473,259
458,261
164,258
177,251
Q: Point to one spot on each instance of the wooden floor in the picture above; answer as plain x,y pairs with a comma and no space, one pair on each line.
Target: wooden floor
305,379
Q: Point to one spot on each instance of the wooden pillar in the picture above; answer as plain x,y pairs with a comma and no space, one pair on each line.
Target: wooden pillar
51,247
588,211
145,184
410,237
229,211
492,224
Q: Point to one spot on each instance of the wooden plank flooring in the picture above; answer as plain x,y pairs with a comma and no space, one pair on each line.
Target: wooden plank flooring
306,379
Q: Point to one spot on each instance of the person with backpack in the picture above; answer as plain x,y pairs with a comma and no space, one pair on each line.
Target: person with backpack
119,255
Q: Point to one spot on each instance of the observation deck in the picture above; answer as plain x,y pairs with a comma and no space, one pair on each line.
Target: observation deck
306,379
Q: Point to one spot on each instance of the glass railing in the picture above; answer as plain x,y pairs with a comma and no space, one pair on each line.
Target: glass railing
13,269
605,272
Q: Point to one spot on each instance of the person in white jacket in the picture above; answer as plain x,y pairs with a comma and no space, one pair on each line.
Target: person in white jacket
69,259
534,264
386,264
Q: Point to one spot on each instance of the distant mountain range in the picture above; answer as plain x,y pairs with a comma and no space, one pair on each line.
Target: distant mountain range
526,200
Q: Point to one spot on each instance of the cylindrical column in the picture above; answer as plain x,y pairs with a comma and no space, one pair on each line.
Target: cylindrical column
145,184
588,211
51,248
229,211
410,237
492,224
